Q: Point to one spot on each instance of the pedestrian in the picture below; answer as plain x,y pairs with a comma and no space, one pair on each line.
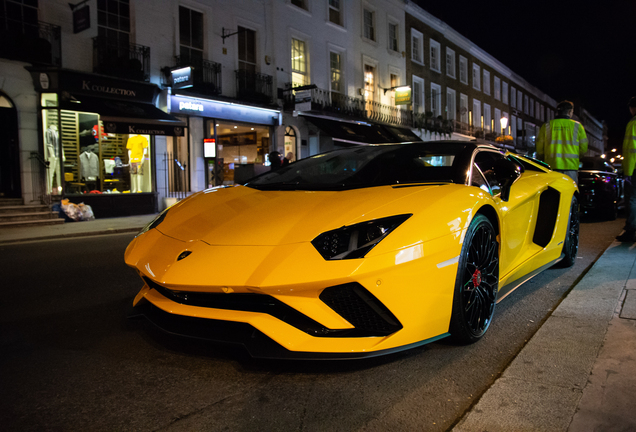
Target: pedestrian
562,141
629,162
287,159
274,160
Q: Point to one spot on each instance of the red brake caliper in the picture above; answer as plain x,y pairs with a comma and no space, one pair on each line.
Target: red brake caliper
476,278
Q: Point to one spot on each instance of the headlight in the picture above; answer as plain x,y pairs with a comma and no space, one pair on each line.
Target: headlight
357,240
154,223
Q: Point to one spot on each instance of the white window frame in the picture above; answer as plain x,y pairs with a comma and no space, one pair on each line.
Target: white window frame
450,63
306,74
463,103
341,53
422,96
374,26
504,92
476,113
451,104
497,121
340,13
497,84
435,52
417,52
513,97
395,23
436,99
476,77
519,100
487,118
463,69
486,85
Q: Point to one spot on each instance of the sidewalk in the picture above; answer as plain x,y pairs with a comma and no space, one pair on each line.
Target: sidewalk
75,229
577,373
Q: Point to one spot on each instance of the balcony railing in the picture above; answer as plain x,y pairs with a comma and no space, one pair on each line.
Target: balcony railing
128,61
253,87
206,74
39,43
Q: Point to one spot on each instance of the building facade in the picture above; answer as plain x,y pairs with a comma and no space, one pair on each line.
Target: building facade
127,106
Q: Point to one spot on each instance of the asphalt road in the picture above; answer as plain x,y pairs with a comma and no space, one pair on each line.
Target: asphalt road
70,360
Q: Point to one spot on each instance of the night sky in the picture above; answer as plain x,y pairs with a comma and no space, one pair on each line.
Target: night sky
581,51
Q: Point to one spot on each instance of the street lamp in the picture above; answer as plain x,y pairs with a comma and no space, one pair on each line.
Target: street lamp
504,123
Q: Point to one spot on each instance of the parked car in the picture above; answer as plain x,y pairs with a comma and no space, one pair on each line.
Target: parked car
601,188
357,252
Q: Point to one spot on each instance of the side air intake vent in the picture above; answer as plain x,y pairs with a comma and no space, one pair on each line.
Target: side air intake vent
547,216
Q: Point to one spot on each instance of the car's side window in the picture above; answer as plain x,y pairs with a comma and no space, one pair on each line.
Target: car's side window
477,179
485,160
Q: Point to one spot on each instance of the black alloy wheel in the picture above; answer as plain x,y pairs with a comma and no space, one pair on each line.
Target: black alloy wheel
477,282
571,243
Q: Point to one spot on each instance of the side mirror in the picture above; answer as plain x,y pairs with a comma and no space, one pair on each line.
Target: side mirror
506,172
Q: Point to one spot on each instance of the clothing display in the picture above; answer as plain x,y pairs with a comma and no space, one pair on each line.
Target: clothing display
136,144
109,166
89,166
51,139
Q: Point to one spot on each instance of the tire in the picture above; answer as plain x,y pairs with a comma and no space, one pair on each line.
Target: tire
571,243
477,283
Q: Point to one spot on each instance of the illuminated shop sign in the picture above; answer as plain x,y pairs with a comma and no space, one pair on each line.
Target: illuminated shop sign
209,147
223,110
182,78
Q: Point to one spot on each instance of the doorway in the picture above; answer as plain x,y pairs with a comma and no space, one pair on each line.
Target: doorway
10,185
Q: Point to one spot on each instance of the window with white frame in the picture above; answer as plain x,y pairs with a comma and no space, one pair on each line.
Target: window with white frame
394,43
417,46
417,94
512,126
537,110
477,118
450,63
300,76
368,17
506,130
463,69
451,104
526,104
531,107
463,108
335,12
497,121
369,82
497,83
476,77
513,97
519,100
395,81
436,99
486,86
337,77
488,124
504,92
435,56
300,3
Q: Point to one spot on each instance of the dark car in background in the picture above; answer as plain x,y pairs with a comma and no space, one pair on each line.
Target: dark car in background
601,188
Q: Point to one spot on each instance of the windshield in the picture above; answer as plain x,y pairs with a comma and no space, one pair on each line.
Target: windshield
368,166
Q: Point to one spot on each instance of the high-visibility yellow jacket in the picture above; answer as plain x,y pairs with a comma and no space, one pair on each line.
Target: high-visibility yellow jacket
629,148
561,142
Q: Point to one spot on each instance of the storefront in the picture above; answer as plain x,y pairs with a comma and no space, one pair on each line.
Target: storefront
232,143
98,138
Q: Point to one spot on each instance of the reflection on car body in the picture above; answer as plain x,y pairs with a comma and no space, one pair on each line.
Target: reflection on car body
357,252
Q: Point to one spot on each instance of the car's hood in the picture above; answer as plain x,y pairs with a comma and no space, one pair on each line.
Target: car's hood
245,216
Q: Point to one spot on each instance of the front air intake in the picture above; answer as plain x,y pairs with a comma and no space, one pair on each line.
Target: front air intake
358,306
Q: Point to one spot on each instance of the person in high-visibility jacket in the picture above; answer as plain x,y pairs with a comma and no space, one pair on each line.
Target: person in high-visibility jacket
629,172
562,141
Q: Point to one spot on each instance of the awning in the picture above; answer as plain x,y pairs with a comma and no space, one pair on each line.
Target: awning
127,117
362,132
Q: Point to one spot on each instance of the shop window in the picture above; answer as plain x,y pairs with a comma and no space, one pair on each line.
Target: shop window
84,159
291,144
241,151
177,166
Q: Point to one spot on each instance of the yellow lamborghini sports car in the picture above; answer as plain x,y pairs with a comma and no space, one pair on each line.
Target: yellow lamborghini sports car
357,252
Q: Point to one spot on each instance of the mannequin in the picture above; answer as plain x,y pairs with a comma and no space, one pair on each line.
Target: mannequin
137,146
89,167
51,153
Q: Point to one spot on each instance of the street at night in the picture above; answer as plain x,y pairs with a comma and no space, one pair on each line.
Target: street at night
71,360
